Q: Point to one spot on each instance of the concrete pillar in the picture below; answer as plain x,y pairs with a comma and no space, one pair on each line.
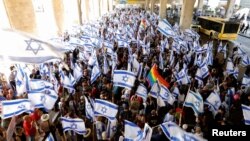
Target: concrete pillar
59,15
85,10
21,15
200,5
152,5
110,5
103,7
230,8
5,23
162,10
186,14
146,4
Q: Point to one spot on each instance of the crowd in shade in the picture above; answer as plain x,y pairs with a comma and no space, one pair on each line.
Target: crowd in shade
128,76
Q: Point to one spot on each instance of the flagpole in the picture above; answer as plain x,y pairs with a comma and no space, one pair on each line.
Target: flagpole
180,120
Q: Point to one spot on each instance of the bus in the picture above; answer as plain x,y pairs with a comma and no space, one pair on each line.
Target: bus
219,28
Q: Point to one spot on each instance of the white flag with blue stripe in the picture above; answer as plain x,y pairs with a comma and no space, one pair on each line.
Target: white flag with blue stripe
95,73
166,95
176,92
111,128
69,82
245,81
245,60
147,132
50,137
142,92
194,101
21,81
105,108
76,125
214,102
16,107
246,113
230,67
77,72
89,108
123,78
174,133
132,131
166,29
155,90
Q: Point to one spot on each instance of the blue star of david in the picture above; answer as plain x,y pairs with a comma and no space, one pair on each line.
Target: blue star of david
42,98
144,91
113,128
125,78
139,133
73,126
21,106
216,103
88,106
19,82
47,92
104,110
197,103
166,94
33,45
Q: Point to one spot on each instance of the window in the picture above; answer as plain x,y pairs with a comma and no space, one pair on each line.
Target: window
231,27
210,25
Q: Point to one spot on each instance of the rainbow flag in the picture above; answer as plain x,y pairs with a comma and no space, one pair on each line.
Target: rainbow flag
154,75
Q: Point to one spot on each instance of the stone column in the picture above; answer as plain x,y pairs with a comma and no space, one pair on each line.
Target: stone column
21,15
200,5
152,2
230,8
59,15
5,23
110,3
186,14
146,4
104,6
162,11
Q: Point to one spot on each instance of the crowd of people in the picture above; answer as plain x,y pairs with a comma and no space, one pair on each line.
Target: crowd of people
133,35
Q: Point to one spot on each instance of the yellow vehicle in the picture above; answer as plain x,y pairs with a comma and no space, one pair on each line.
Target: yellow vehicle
219,28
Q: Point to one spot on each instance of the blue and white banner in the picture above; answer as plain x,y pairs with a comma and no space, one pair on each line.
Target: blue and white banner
230,67
95,73
214,102
174,133
246,113
245,60
166,29
105,108
89,108
176,92
22,82
76,125
147,133
124,78
166,95
27,49
77,72
111,128
132,131
69,82
155,90
12,108
142,92
245,81
194,101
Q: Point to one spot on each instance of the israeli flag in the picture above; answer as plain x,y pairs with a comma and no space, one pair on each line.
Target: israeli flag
12,108
245,60
174,133
36,85
246,113
230,67
182,77
147,132
132,131
166,95
44,70
194,101
95,73
161,65
209,58
231,91
176,92
21,79
69,82
155,89
236,72
89,108
50,138
165,28
76,125
220,47
214,102
142,92
136,67
105,108
77,72
93,59
246,81
241,52
124,78
111,128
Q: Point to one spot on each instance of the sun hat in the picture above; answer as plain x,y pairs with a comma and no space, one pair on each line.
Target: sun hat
45,117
